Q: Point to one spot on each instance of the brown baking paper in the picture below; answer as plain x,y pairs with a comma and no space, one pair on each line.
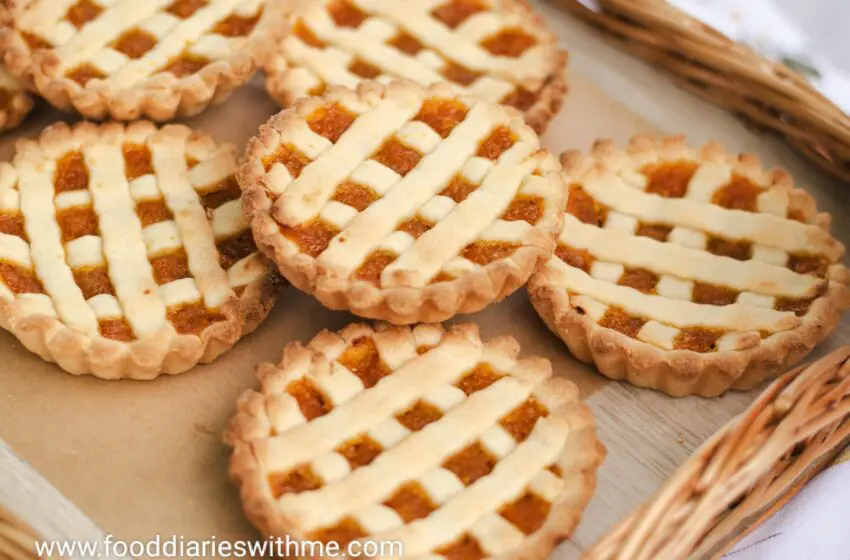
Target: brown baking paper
146,458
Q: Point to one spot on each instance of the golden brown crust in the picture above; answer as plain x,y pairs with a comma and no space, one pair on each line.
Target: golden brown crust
686,372
398,305
166,352
550,93
579,459
161,97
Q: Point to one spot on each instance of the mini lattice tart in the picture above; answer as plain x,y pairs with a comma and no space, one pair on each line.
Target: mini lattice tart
451,446
402,203
129,59
496,49
124,251
690,271
15,101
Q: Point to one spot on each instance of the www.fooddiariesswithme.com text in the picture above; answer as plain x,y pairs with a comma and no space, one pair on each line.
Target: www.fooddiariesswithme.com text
178,547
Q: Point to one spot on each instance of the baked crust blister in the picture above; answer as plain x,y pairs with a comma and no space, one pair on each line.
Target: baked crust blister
127,254
15,102
690,271
361,202
452,441
499,50
158,59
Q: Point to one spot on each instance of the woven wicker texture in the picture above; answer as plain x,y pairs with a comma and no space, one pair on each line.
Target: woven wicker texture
17,541
745,472
728,74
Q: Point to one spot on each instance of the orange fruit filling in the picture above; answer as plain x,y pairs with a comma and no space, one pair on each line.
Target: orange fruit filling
355,195
360,451
654,231
12,224
521,420
76,221
411,502
235,249
524,208
639,279
236,25
510,42
470,463
415,226
300,479
577,258
34,42
739,194
455,12
153,211
619,320
480,377
669,179
528,513
521,99
192,318
93,281
290,157
170,267
347,530
72,173
20,280
364,69
303,32
312,402
485,252
223,192
814,265
406,43
185,8
459,188
330,121
419,415
442,115
584,207
698,339
312,238
137,160
738,250
371,269
82,12
441,277
85,72
363,360
710,294
116,329
134,43
346,14
185,65
398,156
458,74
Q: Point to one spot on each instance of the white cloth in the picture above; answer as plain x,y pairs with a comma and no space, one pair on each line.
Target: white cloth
814,525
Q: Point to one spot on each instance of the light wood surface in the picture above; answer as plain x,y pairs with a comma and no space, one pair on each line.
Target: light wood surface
141,459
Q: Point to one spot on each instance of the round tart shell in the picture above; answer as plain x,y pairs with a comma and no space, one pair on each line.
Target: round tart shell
398,305
579,460
686,372
550,95
165,352
160,97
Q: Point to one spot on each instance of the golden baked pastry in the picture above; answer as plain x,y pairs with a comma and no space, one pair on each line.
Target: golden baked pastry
402,203
499,50
15,101
690,271
448,445
129,59
124,251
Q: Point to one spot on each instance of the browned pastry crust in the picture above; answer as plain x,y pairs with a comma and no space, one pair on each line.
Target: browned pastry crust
683,371
264,418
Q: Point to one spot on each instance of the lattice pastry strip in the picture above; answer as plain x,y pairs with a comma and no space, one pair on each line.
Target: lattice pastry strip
495,49
704,257
402,203
126,59
109,263
348,439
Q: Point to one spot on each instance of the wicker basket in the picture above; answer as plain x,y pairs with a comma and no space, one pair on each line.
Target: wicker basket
745,472
17,541
729,74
